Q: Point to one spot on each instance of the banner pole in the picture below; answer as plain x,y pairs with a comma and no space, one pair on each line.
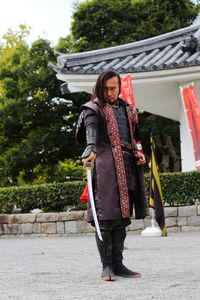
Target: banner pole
153,223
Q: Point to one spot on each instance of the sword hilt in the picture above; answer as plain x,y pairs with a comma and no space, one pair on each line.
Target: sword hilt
89,164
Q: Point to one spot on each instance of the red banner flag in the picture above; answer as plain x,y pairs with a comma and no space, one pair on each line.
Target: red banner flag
127,90
84,196
193,116
127,95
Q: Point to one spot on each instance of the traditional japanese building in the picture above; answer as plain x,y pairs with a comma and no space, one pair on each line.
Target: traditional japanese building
158,67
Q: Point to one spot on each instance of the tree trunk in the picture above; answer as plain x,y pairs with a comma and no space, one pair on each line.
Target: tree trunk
168,153
173,155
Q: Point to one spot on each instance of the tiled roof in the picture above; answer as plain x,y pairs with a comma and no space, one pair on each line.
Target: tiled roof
176,49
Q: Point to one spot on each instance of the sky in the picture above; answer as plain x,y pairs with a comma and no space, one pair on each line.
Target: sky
50,19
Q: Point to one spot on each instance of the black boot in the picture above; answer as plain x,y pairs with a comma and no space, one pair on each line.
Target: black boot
118,237
105,251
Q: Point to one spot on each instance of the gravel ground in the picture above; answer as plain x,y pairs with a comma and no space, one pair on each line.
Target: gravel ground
68,267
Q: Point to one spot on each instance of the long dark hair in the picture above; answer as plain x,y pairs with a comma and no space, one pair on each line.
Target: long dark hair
98,91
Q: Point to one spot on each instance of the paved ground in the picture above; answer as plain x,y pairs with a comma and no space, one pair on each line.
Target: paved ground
68,267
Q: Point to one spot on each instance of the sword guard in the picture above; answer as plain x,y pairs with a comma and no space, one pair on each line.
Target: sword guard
89,164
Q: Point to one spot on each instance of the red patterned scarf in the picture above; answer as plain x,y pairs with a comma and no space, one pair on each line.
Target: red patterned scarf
115,143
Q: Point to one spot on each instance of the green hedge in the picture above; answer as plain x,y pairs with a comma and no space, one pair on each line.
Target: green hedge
177,188
48,197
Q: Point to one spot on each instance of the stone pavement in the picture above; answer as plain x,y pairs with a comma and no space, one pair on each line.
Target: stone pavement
59,268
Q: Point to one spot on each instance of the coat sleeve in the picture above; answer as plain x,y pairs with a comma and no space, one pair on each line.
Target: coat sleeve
137,135
87,119
91,119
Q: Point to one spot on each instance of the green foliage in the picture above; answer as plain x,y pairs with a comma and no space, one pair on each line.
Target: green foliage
60,172
177,189
69,168
181,188
65,45
48,197
99,24
13,39
37,124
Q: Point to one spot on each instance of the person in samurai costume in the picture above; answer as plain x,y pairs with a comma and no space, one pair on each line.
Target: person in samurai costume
108,126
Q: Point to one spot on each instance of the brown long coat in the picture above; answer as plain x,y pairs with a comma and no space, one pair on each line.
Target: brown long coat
113,202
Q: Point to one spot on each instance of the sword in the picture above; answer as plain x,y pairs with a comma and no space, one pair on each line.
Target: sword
89,166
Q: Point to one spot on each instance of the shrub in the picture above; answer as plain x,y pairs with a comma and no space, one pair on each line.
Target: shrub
181,188
48,197
177,188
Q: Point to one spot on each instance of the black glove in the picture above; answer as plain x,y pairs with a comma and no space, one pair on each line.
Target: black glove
91,138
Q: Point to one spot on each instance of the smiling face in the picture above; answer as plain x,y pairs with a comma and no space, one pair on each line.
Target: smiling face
111,90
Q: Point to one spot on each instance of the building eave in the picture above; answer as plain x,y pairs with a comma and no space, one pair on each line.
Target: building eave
180,75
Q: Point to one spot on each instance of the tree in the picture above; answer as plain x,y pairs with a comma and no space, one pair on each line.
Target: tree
37,123
166,136
98,24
